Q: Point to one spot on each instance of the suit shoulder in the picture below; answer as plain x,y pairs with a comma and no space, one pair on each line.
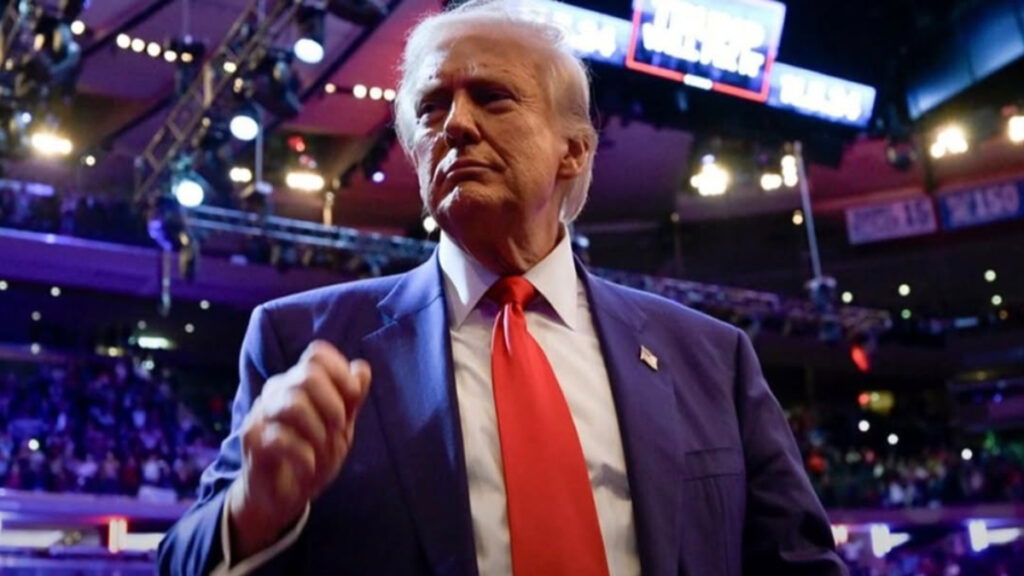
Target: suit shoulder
353,293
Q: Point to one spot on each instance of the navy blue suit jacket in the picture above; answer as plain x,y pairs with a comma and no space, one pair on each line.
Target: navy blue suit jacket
716,480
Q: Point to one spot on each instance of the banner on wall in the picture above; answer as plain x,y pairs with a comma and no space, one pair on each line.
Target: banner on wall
979,205
891,220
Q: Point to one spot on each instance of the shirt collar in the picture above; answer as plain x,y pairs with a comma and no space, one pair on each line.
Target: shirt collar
467,280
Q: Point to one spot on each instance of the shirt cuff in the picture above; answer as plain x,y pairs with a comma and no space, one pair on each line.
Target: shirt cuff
262,557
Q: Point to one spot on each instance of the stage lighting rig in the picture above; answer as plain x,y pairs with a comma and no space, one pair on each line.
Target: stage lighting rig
275,86
309,48
360,12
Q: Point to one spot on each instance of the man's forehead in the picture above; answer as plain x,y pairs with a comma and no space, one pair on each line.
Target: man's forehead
459,58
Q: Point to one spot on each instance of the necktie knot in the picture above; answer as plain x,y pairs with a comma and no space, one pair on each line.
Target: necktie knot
514,290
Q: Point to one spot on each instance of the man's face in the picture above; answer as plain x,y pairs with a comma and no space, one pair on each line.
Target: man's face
486,142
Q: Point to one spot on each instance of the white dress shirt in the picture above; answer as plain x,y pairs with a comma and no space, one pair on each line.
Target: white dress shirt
559,320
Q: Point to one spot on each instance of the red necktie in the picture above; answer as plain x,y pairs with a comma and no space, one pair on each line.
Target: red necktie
552,518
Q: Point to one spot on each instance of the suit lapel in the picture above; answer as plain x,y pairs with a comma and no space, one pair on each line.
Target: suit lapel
414,384
648,420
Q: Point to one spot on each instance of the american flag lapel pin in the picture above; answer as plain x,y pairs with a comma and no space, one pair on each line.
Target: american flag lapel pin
648,357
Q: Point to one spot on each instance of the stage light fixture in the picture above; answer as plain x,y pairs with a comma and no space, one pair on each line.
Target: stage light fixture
892,439
50,143
1015,128
771,181
798,218
170,56
240,175
154,49
359,91
376,93
138,45
124,41
990,276
361,12
245,124
847,297
712,179
950,140
997,300
389,95
78,28
790,176
275,85
966,454
904,290
864,425
56,55
309,48
89,160
429,224
304,181
189,191
330,88
378,177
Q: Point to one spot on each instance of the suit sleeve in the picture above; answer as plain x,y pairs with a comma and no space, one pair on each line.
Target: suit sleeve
192,547
786,530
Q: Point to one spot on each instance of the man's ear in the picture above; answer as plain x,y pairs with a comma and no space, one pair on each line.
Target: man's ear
575,158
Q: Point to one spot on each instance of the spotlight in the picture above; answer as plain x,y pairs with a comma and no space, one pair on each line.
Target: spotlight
330,88
378,177
904,290
78,27
309,48
124,41
847,297
950,140
187,186
304,181
240,175
798,218
790,176
864,425
893,439
170,56
245,124
771,181
389,95
50,143
711,180
997,300
138,45
154,49
189,191
56,55
359,91
275,86
966,454
429,224
1015,128
361,12
376,93
990,276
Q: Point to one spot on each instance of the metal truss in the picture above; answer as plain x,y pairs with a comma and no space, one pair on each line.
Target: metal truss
241,50
748,306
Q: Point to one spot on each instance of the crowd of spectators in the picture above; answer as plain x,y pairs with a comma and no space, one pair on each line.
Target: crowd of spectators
928,475
99,428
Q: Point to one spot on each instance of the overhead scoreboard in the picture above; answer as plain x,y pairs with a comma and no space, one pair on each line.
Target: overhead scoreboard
726,46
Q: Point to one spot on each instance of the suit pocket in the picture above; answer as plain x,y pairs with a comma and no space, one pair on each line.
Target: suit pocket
712,462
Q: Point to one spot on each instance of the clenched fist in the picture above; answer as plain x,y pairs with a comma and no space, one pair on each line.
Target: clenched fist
294,442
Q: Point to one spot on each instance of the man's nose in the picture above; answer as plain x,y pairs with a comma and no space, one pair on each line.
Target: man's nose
460,127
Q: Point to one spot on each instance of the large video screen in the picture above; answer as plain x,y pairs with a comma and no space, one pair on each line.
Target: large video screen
726,46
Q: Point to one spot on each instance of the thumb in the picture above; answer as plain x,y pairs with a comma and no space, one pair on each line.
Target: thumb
360,369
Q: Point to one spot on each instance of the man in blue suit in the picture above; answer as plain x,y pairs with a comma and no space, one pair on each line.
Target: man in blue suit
661,414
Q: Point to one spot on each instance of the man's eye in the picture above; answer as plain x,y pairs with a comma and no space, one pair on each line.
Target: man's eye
427,108
490,96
